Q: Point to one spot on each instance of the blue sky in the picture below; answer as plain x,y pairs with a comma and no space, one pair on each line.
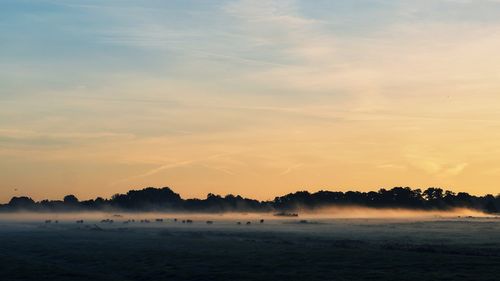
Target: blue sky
87,40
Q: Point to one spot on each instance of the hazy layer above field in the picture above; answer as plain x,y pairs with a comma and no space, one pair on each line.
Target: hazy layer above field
346,212
279,248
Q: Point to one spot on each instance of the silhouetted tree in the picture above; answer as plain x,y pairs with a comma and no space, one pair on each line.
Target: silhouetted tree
22,202
147,199
70,199
165,199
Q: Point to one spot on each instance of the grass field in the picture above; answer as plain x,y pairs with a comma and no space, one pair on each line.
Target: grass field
279,249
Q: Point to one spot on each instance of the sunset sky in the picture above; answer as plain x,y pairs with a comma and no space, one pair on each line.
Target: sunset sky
258,98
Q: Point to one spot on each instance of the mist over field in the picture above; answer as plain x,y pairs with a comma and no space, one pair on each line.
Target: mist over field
356,212
348,243
345,212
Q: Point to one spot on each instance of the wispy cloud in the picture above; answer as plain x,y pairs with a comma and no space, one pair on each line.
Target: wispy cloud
291,168
13,137
168,166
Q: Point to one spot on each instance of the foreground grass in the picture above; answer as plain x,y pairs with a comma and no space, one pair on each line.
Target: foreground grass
401,253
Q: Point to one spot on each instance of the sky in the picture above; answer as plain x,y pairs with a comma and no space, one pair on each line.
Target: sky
258,98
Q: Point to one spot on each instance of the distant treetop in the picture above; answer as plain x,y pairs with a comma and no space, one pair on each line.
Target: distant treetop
164,199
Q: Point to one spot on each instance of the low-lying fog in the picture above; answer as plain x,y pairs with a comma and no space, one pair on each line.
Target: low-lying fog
465,242
347,223
319,215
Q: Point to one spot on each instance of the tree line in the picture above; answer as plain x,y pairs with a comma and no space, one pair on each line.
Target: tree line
164,199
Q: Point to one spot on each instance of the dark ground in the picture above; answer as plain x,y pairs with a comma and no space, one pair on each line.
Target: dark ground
278,250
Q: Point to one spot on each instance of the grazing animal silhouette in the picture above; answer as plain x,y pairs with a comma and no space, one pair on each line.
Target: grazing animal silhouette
159,220
284,214
48,221
189,221
79,221
249,223
210,222
261,221
96,228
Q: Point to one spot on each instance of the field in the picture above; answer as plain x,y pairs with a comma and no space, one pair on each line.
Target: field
278,249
